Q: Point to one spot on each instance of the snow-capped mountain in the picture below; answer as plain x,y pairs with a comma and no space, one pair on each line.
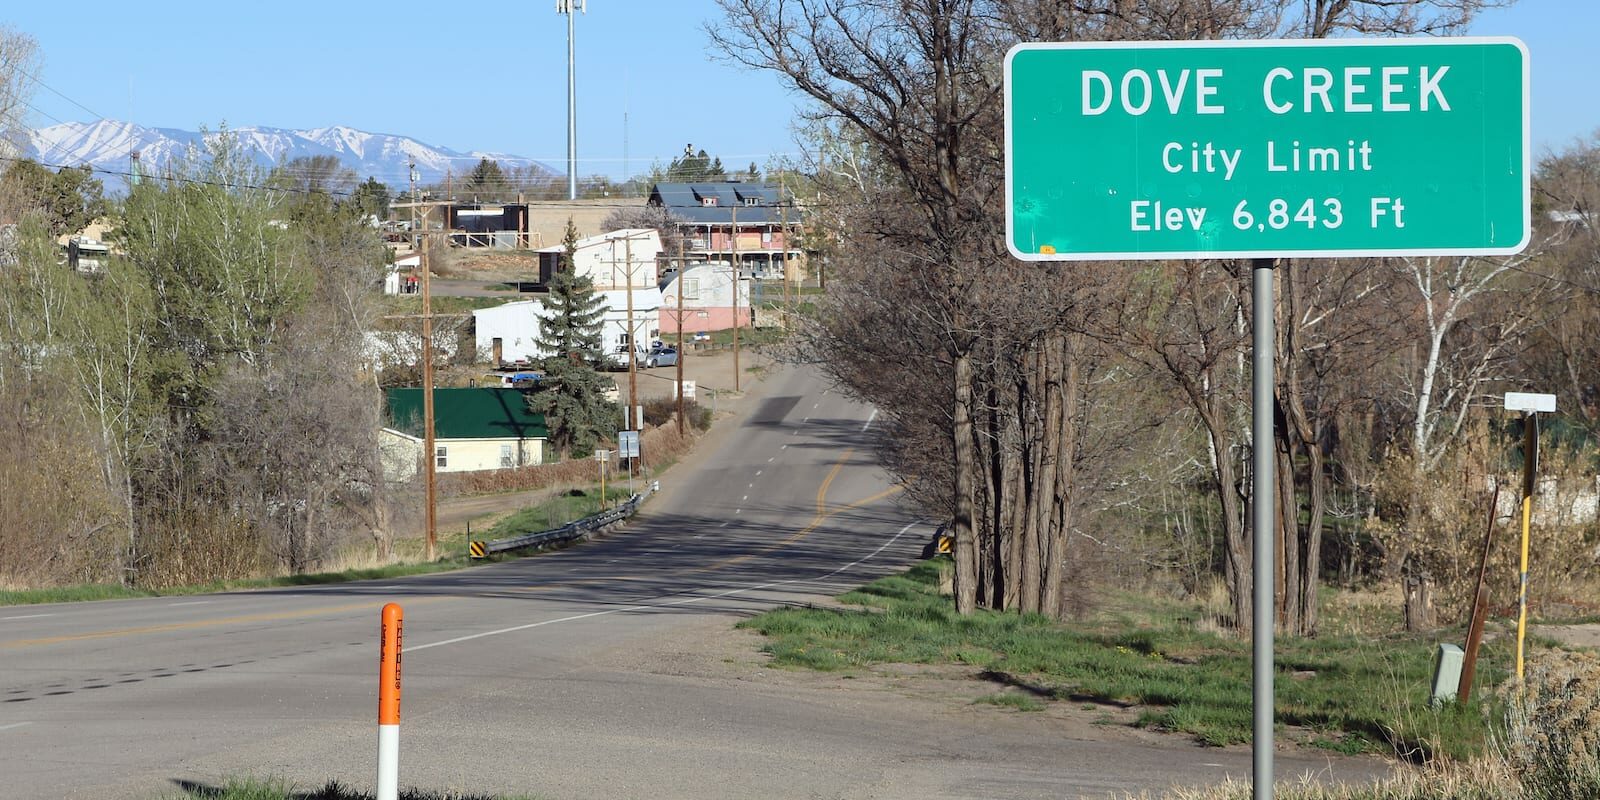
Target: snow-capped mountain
107,144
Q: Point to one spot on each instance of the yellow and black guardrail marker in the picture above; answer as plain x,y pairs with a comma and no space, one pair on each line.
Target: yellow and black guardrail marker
476,548
945,544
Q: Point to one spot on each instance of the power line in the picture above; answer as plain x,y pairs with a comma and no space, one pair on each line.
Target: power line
35,78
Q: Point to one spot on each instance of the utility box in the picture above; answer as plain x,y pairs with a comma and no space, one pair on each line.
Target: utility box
1446,674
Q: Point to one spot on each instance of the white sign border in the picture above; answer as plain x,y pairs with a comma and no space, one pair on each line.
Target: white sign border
1165,255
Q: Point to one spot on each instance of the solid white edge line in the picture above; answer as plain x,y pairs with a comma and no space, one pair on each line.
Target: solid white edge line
27,616
189,603
679,602
870,418
14,725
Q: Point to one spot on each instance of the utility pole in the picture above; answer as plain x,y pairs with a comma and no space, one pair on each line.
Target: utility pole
783,227
427,404
633,347
682,268
566,7
733,239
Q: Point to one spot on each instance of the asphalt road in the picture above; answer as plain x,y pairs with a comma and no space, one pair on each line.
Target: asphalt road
525,677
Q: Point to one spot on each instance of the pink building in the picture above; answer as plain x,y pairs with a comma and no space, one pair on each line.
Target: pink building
708,301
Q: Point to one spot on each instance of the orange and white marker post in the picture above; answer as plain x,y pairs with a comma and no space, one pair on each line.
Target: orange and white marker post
389,702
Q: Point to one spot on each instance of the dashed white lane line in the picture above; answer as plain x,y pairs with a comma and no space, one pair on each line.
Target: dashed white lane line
804,421
742,499
751,486
737,510
724,525
770,460
14,725
814,405
189,603
665,604
870,418
758,474
27,616
786,447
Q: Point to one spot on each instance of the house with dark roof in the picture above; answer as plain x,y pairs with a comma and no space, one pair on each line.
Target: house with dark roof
732,221
473,429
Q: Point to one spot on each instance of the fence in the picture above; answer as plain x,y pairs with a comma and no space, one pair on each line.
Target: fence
571,531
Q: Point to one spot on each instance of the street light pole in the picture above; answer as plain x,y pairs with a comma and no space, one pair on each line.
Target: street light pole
566,7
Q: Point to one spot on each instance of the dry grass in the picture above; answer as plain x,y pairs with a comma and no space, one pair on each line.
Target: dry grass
1369,612
1475,781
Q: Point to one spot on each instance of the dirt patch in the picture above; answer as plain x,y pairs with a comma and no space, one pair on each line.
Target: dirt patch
1586,635
711,649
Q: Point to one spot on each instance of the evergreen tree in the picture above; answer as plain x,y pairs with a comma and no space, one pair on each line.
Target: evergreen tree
371,198
696,168
486,181
572,393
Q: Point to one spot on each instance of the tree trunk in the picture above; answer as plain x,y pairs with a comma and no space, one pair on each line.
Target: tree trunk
1066,437
1016,484
1312,550
1286,577
1419,598
966,552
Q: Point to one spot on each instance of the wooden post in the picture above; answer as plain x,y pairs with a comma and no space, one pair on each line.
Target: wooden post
429,443
734,259
633,352
1480,604
681,271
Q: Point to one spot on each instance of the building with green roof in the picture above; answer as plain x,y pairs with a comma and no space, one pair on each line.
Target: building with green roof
473,429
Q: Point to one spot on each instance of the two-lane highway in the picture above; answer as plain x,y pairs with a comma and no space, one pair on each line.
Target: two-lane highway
124,698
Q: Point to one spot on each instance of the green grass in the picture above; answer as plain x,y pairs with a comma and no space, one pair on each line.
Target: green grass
1020,702
276,789
1345,693
557,511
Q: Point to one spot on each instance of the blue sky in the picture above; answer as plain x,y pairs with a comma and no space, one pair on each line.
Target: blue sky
493,77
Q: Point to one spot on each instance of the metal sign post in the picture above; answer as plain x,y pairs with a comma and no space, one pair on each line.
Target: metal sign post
628,447
1266,150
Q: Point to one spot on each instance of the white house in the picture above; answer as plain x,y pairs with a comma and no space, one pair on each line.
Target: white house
509,333
610,259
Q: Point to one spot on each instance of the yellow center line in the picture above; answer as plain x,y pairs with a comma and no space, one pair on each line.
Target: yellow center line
823,513
206,623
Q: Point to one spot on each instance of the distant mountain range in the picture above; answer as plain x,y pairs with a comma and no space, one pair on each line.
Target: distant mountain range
107,144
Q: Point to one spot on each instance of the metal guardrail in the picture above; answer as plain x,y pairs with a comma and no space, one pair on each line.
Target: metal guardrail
571,531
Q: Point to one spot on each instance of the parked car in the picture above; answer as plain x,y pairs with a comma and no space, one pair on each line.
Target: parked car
661,357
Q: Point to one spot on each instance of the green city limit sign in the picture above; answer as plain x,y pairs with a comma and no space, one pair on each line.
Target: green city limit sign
1139,150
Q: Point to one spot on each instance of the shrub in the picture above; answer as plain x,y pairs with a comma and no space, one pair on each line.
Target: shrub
1553,727
658,413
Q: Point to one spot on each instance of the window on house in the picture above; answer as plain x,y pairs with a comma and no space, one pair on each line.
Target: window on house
766,237
752,201
691,288
507,459
708,201
441,456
